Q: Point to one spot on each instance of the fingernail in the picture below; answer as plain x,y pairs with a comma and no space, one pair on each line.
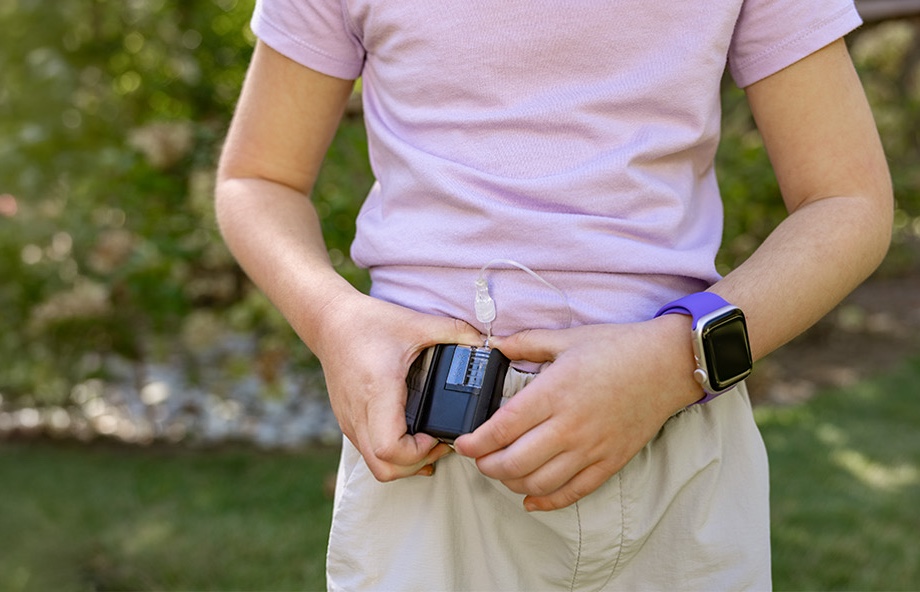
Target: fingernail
530,506
454,447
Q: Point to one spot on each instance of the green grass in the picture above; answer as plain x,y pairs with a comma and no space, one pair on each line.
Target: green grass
845,478
845,494
76,518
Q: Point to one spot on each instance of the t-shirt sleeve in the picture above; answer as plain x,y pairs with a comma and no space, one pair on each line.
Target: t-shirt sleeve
313,33
773,34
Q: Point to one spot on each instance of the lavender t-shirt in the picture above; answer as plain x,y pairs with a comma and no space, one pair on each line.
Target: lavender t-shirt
574,137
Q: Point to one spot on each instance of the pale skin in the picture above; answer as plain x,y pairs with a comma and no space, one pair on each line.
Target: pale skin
609,388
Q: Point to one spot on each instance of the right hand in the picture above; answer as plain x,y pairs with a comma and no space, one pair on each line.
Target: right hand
366,346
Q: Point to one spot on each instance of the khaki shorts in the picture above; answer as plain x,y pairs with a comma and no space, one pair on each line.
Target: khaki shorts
689,512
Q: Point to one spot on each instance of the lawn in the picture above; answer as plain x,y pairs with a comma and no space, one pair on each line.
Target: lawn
845,493
105,517
845,479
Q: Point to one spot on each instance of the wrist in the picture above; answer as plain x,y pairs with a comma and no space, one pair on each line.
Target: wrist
719,341
677,361
317,306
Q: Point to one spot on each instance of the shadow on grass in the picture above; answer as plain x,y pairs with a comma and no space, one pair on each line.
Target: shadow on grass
845,478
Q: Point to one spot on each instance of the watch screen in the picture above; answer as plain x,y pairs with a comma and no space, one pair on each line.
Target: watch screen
728,355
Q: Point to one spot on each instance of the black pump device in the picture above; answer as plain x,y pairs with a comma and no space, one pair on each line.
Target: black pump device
453,389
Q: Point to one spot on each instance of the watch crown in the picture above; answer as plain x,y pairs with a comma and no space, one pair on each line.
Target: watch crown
699,375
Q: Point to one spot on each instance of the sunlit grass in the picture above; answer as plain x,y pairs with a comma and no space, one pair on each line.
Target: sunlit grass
845,474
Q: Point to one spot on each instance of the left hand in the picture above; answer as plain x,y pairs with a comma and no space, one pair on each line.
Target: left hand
607,392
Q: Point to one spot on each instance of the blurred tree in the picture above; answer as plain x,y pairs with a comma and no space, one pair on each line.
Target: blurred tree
110,118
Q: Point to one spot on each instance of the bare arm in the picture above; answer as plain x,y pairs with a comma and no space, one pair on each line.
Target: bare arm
602,400
822,141
284,122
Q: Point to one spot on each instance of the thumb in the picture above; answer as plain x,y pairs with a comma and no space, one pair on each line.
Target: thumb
532,345
446,330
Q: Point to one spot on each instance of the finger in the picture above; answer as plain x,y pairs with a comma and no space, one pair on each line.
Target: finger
426,471
550,477
385,471
519,461
385,422
445,330
521,414
437,453
403,449
582,484
533,345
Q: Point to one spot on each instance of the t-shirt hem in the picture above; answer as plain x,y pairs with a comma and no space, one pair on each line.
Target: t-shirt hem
783,55
300,50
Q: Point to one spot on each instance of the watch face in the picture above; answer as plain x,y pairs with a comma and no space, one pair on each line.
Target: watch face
727,353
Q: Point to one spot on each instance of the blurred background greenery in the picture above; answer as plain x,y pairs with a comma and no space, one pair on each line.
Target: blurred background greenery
111,120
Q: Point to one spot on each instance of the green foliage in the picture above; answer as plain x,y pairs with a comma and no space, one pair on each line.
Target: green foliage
344,181
110,118
887,57
750,192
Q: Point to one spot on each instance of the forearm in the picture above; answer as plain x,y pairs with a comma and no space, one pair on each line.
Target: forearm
283,125
820,135
274,233
807,265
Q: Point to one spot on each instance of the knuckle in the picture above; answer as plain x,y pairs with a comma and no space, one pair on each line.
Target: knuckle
502,432
461,327
519,338
539,489
577,490
384,452
384,472
516,486
565,498
514,467
508,469
576,493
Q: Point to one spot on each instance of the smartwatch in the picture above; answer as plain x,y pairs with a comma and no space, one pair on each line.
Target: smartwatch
720,341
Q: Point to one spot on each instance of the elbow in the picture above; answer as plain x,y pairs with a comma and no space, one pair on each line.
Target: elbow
879,221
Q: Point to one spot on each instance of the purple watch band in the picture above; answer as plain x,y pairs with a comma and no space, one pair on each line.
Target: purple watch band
696,305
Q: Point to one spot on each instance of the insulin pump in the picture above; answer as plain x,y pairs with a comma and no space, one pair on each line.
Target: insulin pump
453,389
